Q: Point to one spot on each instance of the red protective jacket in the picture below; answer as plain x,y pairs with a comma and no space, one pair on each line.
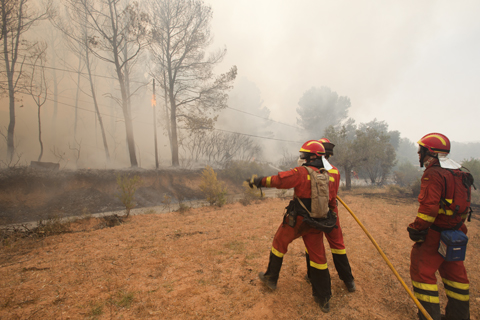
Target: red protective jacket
437,183
299,179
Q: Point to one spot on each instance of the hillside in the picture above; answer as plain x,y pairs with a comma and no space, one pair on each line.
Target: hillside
203,264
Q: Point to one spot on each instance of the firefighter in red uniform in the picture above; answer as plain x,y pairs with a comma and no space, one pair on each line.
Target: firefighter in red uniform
297,223
437,185
335,237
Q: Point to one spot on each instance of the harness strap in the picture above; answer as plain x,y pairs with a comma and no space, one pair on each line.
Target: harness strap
302,205
440,229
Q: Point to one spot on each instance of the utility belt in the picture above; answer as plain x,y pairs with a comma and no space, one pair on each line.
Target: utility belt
295,208
453,242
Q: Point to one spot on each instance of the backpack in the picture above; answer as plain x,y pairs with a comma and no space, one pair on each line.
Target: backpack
320,192
461,195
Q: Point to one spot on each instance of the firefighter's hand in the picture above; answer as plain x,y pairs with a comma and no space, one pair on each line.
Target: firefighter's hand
254,181
417,235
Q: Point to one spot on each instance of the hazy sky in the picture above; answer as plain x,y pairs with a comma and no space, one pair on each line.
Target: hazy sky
414,64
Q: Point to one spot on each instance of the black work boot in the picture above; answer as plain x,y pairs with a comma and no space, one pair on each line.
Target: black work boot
344,271
307,276
350,286
271,284
270,277
321,287
433,310
323,303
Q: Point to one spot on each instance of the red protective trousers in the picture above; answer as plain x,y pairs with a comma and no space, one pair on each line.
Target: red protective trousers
312,238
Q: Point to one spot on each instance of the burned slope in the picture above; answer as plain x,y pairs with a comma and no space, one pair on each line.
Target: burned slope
28,194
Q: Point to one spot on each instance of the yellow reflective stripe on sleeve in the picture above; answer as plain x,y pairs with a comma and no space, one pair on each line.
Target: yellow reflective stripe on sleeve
268,182
425,217
308,177
449,200
464,216
457,296
306,251
318,266
425,286
458,285
426,298
277,253
333,171
339,251
331,179
449,212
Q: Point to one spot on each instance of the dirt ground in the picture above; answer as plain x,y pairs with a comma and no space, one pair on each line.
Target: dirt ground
203,264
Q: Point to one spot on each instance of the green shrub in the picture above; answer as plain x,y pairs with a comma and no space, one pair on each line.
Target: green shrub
415,187
128,186
167,202
396,190
473,165
406,174
54,224
215,193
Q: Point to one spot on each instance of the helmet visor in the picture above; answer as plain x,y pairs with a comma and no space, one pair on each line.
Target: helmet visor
304,155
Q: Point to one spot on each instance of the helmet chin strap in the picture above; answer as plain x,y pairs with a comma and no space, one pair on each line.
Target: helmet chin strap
423,152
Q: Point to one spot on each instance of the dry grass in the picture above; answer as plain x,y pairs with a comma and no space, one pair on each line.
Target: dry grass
203,264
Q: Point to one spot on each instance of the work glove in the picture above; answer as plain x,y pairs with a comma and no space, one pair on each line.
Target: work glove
254,181
417,235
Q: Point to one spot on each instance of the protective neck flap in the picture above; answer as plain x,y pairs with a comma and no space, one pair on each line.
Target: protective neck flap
447,163
326,164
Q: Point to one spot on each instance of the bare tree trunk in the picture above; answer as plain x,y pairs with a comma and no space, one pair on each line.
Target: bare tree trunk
15,21
348,177
94,97
11,125
55,91
167,116
124,93
55,102
76,100
173,125
10,69
40,134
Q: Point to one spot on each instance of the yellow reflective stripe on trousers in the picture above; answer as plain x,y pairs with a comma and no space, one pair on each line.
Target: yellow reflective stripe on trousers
268,182
339,251
318,266
277,253
425,217
426,298
425,286
457,296
458,285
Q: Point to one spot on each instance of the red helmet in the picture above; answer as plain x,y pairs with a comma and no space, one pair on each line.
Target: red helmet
313,146
435,142
328,146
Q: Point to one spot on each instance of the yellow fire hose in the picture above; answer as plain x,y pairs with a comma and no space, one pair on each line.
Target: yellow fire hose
420,307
